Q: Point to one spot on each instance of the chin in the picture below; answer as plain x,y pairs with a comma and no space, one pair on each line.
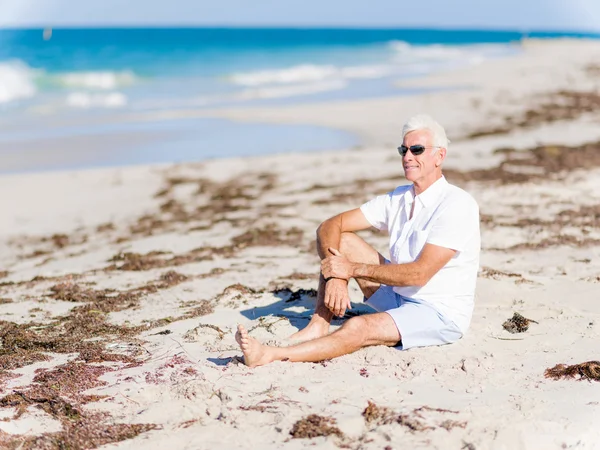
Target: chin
410,176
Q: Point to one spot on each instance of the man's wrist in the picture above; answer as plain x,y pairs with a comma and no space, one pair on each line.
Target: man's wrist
359,270
335,278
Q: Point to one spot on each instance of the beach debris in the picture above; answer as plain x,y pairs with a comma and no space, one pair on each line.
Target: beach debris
171,278
162,333
314,426
415,420
517,323
58,392
135,261
363,373
294,295
379,415
589,370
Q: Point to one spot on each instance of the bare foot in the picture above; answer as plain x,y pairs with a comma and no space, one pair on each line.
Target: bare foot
310,332
255,353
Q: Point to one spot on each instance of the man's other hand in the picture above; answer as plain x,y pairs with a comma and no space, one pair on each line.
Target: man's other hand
336,266
336,296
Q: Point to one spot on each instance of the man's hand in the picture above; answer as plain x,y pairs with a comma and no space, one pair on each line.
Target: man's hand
336,266
336,296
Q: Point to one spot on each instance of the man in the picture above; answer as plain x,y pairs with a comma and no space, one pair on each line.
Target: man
425,294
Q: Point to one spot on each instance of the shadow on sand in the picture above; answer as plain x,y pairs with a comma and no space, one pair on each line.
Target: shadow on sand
298,306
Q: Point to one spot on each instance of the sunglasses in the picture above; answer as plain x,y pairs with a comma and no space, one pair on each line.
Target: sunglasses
414,149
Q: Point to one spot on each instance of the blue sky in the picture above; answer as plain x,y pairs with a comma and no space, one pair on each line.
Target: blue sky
513,14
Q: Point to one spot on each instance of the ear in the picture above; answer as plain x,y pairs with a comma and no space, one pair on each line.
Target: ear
441,155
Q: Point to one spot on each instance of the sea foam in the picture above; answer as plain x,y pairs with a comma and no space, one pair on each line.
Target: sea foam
402,58
85,100
16,81
306,73
104,80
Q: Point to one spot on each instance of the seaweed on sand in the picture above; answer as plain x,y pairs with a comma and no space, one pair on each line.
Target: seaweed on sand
314,426
589,370
517,323
381,415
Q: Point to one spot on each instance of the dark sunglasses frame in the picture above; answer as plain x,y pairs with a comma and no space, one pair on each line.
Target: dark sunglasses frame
414,149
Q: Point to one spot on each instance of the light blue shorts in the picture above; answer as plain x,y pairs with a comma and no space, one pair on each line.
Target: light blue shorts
418,322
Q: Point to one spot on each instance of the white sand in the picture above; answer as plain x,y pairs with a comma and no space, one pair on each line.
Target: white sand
493,380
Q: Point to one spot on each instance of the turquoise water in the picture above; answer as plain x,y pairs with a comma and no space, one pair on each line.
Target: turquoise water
74,81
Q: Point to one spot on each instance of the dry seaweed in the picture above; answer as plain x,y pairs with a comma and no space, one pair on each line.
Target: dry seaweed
58,392
314,426
136,261
24,344
91,431
589,370
488,272
205,307
533,164
517,324
560,105
268,235
171,278
378,415
222,198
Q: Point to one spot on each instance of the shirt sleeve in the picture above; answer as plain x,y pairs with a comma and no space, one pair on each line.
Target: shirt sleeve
455,225
377,211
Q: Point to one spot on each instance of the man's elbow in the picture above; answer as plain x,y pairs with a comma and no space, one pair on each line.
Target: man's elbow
421,278
419,282
324,226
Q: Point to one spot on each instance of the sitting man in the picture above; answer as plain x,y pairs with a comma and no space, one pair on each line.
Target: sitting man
425,294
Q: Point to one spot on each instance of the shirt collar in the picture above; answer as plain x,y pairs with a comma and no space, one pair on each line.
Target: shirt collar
433,192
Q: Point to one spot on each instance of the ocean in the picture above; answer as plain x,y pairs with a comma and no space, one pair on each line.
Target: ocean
61,86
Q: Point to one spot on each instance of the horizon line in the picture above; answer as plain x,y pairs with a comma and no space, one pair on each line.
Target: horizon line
118,26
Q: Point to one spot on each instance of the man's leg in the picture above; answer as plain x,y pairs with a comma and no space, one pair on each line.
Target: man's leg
358,332
356,250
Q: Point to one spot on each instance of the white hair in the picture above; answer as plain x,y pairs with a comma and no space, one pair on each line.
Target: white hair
425,122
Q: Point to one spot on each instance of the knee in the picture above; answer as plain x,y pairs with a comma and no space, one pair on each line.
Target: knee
356,328
347,240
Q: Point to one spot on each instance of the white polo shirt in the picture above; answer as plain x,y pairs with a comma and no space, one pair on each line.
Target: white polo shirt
444,215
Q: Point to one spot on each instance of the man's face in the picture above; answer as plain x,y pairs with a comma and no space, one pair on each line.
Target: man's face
423,167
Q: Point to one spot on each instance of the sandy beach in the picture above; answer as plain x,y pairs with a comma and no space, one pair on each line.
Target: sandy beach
121,288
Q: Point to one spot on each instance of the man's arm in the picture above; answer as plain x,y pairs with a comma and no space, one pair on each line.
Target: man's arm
336,297
417,273
330,231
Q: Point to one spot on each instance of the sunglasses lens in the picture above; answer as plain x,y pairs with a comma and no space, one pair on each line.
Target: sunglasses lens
415,149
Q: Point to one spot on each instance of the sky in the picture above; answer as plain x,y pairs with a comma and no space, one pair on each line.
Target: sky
553,15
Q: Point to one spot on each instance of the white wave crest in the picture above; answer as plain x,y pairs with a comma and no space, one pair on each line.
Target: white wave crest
86,100
307,73
97,80
16,81
295,74
290,91
440,52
